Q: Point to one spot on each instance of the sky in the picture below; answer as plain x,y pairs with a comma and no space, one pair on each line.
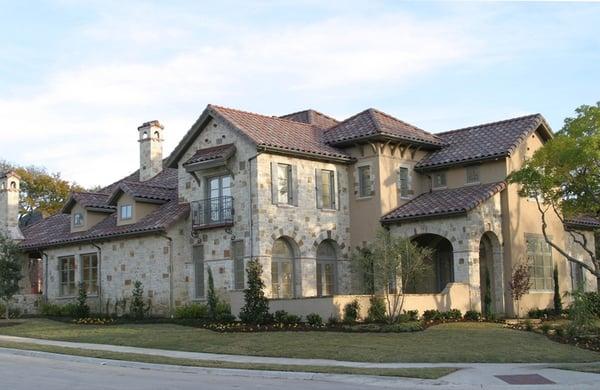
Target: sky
78,77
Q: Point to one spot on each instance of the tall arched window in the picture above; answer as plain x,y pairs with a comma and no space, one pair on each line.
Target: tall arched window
326,259
282,269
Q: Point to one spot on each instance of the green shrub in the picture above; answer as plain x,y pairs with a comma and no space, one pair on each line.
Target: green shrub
314,319
256,306
351,311
13,312
560,332
292,319
192,311
377,311
51,310
432,315
333,320
528,326
581,313
540,313
81,310
280,316
385,328
223,313
453,314
413,315
138,309
472,315
593,299
545,328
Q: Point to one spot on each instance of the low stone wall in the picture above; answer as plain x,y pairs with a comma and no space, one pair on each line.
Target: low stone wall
454,296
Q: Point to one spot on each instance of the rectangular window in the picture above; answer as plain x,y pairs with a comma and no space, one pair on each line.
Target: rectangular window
473,174
284,180
78,219
198,261
67,275
327,189
126,211
239,270
89,273
539,257
364,181
439,179
577,276
325,277
403,182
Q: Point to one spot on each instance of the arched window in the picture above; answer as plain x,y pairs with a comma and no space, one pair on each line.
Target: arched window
144,135
326,275
13,185
156,135
282,269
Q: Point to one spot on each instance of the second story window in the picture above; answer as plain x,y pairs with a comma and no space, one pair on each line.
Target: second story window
78,219
325,183
126,212
473,174
439,179
365,186
284,184
404,182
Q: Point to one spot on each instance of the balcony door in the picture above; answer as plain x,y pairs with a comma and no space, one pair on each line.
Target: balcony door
219,193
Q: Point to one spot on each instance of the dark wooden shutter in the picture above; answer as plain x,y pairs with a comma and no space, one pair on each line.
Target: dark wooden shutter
294,186
274,183
318,188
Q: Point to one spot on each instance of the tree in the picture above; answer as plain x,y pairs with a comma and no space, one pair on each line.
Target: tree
10,270
82,310
564,179
212,300
520,282
557,300
391,263
138,308
487,296
256,306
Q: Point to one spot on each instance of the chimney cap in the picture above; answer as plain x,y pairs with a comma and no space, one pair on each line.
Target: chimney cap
153,123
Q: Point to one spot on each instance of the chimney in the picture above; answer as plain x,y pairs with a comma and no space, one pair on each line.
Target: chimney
9,205
150,140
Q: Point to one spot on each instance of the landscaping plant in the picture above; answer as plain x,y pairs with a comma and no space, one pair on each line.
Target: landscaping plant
557,300
256,306
10,271
376,311
82,310
487,296
581,314
138,309
351,312
212,300
314,319
520,282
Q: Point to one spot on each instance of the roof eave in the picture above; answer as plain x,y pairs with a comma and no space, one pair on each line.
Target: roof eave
386,137
308,155
391,221
436,167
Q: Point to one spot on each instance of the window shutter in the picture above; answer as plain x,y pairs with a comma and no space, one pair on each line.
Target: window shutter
410,182
274,183
372,182
294,178
336,192
318,188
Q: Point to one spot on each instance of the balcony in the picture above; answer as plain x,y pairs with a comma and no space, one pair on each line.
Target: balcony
212,212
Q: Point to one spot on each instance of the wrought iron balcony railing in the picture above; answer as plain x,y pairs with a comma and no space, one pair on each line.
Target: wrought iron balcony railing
212,212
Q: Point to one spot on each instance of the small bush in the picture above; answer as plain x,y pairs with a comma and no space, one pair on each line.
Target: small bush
292,319
540,313
593,299
581,313
51,310
413,315
385,328
138,309
472,315
528,326
453,314
256,306
81,309
432,315
280,316
223,312
13,312
560,332
313,319
333,320
377,311
351,311
545,328
193,311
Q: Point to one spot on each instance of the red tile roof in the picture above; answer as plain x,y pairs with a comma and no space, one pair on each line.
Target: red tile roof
455,201
483,142
212,153
373,123
312,117
142,192
585,222
87,200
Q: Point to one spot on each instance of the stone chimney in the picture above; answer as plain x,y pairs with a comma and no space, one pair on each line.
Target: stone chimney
151,141
9,205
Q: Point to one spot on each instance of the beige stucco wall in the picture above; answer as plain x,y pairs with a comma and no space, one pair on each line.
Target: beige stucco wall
90,218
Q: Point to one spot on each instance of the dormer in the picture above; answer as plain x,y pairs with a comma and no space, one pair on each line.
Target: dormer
86,209
133,200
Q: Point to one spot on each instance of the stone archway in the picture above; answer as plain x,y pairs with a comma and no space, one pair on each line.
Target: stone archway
441,265
491,273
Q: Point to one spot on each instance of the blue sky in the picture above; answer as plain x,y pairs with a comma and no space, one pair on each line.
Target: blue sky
78,77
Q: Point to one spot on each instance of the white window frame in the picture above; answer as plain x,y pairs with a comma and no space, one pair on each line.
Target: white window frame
408,194
86,278
360,179
126,216
78,219
434,177
547,266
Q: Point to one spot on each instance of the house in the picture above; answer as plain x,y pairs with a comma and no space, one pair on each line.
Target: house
298,193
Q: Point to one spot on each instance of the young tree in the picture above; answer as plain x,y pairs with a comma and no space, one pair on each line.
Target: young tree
520,283
138,308
10,270
392,263
564,178
256,307
212,300
557,300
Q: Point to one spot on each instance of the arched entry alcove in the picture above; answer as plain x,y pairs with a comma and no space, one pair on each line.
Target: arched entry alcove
490,272
441,265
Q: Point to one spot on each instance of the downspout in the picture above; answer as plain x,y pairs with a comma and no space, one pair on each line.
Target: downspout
99,276
250,196
171,280
45,255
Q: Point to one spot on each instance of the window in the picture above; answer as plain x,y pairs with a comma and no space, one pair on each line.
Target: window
126,211
326,194
89,273
577,276
439,179
284,184
365,187
403,182
219,194
239,270
67,275
198,261
473,174
539,257
78,219
326,258
282,269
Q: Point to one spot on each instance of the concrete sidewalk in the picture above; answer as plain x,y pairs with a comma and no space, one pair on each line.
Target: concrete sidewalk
471,375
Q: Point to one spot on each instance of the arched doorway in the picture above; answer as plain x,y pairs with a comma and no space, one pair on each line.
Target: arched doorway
490,272
283,258
441,265
326,268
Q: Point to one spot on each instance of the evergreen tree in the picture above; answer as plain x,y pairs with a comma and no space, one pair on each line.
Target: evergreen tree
10,270
212,299
557,300
256,307
487,297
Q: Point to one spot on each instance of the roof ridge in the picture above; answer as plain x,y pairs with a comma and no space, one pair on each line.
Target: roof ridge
310,110
489,123
260,115
403,122
146,184
89,192
347,119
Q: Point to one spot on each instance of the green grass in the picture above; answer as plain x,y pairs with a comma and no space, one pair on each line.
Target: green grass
591,368
420,373
452,343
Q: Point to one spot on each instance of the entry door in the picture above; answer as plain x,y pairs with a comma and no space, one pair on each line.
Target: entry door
219,188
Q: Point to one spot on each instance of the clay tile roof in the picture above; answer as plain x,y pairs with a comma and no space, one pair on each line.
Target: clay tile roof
312,117
482,142
373,123
56,230
212,153
143,192
585,222
94,200
280,134
440,203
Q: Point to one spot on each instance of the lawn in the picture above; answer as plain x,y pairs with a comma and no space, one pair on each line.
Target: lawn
452,343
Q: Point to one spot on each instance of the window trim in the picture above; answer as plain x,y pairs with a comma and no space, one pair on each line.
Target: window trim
78,222
70,271
82,272
408,194
533,289
478,167
125,206
332,190
433,181
359,178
